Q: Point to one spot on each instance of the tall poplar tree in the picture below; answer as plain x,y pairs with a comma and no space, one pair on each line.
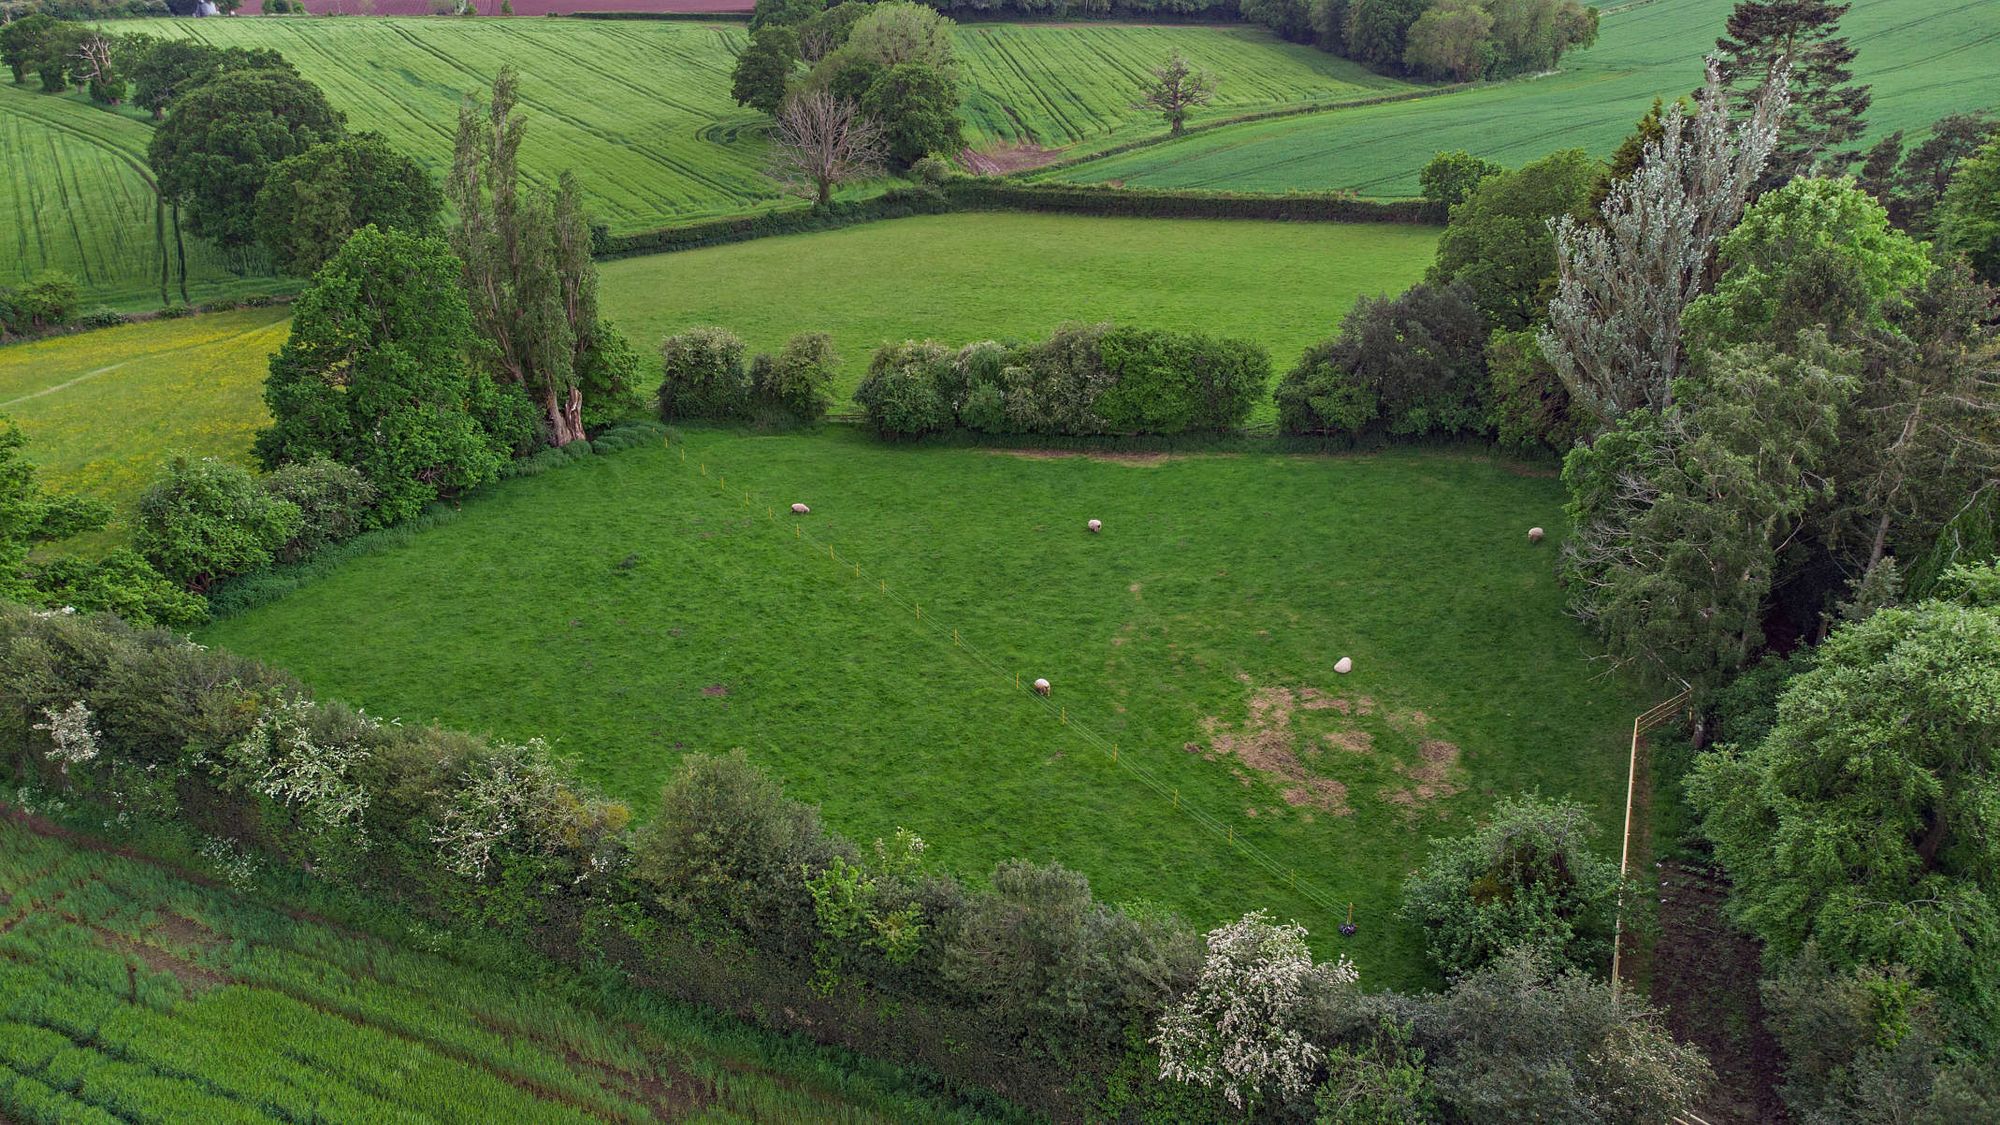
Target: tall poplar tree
528,273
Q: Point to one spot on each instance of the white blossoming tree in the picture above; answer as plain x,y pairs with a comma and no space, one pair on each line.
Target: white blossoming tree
72,741
1237,1029
286,758
517,797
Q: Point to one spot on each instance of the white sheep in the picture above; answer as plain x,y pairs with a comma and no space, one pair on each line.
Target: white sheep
1041,687
800,509
1343,666
1095,526
1535,535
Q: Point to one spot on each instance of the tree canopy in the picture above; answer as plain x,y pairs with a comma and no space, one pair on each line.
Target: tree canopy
215,149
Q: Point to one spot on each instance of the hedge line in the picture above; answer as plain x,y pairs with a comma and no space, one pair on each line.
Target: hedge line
968,193
1097,199
896,203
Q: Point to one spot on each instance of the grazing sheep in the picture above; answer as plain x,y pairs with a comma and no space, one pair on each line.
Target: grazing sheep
800,509
1041,687
1534,535
1095,526
1343,666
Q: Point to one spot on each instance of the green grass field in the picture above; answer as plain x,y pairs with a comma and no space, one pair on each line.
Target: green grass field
637,607
967,277
1924,60
235,1012
103,409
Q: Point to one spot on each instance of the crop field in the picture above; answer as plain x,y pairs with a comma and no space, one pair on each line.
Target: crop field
76,196
130,994
1924,60
103,409
1053,86
639,109
967,277
640,606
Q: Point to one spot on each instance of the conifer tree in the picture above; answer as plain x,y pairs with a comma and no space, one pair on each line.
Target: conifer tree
1827,105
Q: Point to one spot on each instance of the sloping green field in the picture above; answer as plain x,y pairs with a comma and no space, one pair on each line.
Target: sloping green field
102,410
1004,275
640,110
76,196
128,994
1056,85
1924,59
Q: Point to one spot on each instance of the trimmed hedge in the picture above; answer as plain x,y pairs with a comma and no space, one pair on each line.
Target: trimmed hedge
1083,380
1153,203
896,203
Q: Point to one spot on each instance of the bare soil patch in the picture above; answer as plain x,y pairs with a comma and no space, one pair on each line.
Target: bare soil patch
715,690
1002,159
194,978
1265,743
1109,456
1432,778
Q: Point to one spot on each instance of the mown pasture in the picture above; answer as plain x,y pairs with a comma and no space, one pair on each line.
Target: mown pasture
103,409
76,196
128,993
1923,60
637,607
1002,275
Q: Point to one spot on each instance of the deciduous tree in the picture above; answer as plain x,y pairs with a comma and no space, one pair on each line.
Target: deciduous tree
528,274
213,152
1614,331
312,202
375,375
1175,89
821,141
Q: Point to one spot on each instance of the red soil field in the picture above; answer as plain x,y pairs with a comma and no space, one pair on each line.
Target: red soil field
521,7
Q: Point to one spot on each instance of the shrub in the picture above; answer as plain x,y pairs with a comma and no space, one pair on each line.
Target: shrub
1412,366
903,393
797,381
727,846
101,317
121,583
207,519
1530,404
333,500
49,301
177,310
1526,879
1055,387
1168,382
704,376
932,170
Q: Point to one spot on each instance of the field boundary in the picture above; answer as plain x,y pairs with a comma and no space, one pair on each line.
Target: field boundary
1650,719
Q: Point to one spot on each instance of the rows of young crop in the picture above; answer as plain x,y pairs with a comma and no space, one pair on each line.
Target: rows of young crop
1923,61
75,196
628,106
1053,86
234,1012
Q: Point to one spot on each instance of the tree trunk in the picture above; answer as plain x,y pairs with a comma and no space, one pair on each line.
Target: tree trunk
825,199
565,416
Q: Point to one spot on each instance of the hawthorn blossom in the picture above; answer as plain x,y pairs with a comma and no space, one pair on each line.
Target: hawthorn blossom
72,740
1236,1029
